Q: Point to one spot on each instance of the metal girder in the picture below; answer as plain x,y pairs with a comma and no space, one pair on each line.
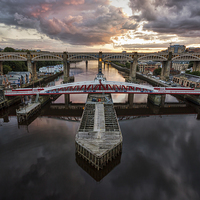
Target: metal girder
101,87
106,56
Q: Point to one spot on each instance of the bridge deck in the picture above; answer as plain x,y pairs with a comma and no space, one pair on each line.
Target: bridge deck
99,139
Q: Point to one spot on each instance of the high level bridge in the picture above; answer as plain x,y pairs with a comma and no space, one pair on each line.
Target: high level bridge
66,57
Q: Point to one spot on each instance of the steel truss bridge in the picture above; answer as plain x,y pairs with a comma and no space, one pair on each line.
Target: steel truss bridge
101,86
105,56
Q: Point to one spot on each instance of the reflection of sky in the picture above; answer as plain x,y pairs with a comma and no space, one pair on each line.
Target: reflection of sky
81,73
89,74
160,160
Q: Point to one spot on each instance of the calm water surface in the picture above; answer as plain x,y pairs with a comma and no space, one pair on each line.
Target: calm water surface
160,158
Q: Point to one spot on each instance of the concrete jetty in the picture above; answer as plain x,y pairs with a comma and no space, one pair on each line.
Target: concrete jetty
99,138
25,112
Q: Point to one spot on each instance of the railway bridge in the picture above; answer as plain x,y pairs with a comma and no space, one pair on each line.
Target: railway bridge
67,57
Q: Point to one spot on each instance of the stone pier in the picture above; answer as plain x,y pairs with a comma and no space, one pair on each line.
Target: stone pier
1,68
166,65
86,63
66,67
29,64
130,100
34,71
133,67
100,62
196,66
157,99
67,100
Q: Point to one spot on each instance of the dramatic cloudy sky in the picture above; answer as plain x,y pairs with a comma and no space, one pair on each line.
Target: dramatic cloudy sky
93,25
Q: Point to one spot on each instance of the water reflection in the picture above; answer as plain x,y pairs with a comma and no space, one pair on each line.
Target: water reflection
97,175
160,159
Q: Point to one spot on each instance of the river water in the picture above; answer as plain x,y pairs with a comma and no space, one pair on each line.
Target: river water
160,157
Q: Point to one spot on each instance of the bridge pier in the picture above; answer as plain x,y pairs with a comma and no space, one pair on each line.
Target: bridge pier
196,66
66,67
100,62
130,100
157,99
86,63
29,64
166,65
67,100
34,72
133,67
1,67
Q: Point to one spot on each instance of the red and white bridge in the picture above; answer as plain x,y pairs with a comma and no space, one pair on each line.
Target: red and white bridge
101,85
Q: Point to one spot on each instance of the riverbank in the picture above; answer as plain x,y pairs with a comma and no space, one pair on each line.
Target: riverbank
9,101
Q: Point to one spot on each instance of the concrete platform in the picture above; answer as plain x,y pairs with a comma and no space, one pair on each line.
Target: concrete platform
25,112
99,138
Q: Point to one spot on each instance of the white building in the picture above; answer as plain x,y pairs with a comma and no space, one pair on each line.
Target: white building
51,69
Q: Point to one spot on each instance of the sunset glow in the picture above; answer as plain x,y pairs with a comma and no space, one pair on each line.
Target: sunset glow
85,25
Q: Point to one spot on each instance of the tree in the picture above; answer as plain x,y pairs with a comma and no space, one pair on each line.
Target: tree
6,69
9,49
157,71
128,65
190,64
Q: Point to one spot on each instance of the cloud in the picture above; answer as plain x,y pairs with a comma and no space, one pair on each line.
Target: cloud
76,22
179,17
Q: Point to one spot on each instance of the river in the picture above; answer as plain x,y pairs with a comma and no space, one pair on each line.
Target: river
160,157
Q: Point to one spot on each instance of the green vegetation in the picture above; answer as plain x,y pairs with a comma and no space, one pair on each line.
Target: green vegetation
190,64
127,65
157,71
6,69
16,65
197,73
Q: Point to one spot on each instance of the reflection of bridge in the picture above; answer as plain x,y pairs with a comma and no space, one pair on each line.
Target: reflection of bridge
66,57
124,112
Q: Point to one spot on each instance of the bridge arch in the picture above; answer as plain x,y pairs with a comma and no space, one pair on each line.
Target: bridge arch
152,57
38,58
12,57
82,57
186,57
117,57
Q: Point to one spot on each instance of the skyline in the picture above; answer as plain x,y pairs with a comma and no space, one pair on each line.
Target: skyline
94,25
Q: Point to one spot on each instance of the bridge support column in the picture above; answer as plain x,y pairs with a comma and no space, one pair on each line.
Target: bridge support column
196,66
104,65
34,71
29,64
133,67
66,67
157,99
130,100
100,63
166,65
1,68
67,100
86,63
6,119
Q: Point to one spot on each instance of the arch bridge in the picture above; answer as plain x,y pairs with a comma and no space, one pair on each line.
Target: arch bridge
66,57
